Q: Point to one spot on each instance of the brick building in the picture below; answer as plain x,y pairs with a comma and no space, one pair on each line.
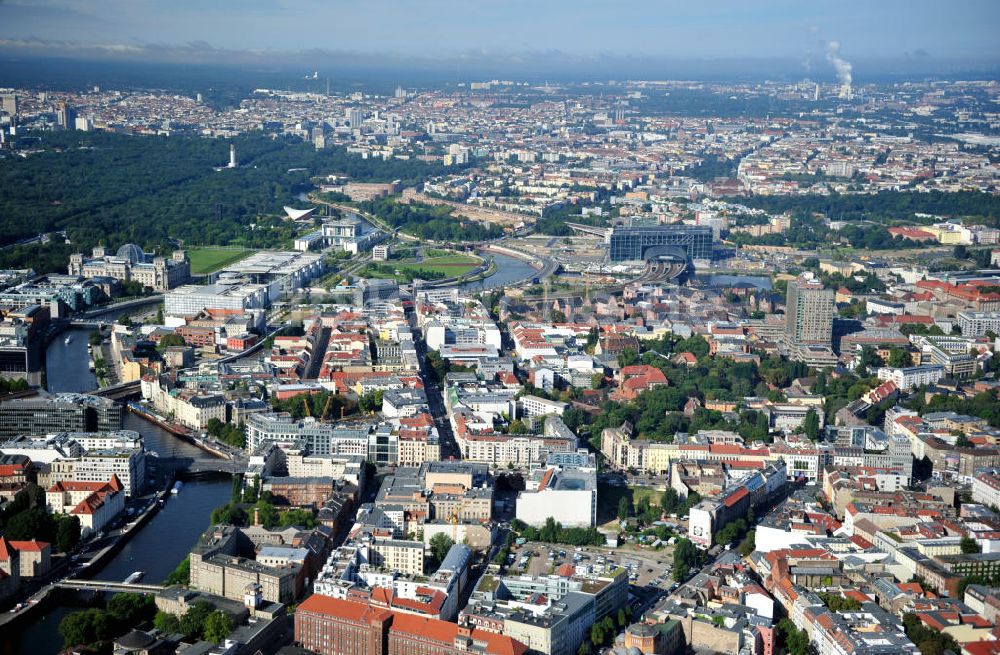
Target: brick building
331,626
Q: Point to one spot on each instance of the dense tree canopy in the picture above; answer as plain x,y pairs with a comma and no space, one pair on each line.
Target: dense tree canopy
116,189
429,222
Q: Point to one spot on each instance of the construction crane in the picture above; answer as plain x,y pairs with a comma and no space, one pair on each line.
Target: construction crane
326,408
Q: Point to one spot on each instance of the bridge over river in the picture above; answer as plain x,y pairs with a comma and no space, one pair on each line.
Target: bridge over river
107,585
196,465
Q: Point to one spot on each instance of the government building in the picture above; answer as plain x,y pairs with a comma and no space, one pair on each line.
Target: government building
130,263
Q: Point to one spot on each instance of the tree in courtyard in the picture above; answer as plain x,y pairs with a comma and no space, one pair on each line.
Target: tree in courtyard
131,609
170,341
810,425
193,621
899,358
686,556
217,627
440,545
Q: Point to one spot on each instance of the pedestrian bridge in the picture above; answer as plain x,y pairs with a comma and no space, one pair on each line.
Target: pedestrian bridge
107,585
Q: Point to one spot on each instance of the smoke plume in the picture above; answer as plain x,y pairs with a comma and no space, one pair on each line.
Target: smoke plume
842,66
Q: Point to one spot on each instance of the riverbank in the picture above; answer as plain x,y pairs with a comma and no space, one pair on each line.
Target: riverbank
187,434
157,548
117,539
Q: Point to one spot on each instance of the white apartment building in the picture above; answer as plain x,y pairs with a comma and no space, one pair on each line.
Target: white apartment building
911,377
976,324
986,490
505,449
532,406
99,465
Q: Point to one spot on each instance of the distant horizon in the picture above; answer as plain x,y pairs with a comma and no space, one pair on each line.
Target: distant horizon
581,39
349,70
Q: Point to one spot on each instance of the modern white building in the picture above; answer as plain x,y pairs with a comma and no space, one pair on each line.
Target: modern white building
228,294
911,377
976,324
532,406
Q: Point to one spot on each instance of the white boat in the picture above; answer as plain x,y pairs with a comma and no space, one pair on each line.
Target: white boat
68,340
177,487
134,577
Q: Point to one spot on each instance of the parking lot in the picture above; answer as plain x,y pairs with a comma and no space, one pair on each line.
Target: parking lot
652,568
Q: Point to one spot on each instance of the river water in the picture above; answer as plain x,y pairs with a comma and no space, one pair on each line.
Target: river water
157,549
162,543
67,365
510,270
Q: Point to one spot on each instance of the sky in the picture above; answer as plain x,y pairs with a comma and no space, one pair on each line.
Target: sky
913,33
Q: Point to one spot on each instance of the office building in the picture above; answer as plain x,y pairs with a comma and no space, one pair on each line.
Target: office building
218,566
368,292
66,412
231,296
912,377
95,503
354,117
635,243
65,116
129,465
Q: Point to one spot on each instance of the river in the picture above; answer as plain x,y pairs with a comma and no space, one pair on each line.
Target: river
67,364
162,543
157,549
717,280
510,270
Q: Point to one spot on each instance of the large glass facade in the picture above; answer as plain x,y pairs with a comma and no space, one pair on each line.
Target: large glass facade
631,243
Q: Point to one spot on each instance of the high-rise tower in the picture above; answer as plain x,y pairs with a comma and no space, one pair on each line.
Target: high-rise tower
232,156
809,312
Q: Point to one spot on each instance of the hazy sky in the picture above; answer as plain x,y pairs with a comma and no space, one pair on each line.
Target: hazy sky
689,29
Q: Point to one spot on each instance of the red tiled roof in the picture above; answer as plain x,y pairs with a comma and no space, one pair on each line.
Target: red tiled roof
410,624
736,497
13,469
33,546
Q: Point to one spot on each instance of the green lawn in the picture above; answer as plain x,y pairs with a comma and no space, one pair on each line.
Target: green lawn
209,259
448,266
